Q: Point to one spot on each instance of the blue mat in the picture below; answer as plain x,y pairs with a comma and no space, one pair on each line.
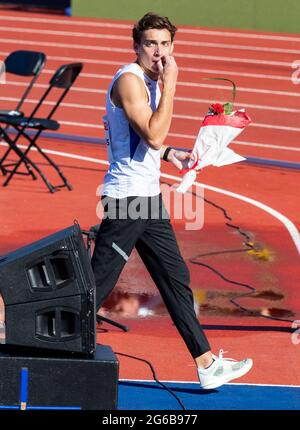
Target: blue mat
140,395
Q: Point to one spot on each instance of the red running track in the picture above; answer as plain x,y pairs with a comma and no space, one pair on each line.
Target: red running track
261,66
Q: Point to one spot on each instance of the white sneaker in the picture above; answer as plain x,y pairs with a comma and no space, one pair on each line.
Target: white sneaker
223,370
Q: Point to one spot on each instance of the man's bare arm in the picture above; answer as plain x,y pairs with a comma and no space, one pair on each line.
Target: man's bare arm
129,93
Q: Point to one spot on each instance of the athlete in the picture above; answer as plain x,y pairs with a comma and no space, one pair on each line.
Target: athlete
137,121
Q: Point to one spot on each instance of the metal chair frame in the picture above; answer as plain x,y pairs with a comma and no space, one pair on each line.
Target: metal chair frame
63,79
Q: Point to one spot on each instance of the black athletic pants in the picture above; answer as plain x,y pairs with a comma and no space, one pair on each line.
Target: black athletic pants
153,237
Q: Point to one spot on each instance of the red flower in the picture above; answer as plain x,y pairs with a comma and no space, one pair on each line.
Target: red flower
217,108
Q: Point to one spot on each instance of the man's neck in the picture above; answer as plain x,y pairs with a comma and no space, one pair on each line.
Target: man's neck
153,76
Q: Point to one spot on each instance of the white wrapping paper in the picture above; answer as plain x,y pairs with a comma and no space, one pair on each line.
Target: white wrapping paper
211,146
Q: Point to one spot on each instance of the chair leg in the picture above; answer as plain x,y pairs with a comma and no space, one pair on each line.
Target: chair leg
14,171
55,166
32,143
3,159
13,147
28,162
25,159
29,172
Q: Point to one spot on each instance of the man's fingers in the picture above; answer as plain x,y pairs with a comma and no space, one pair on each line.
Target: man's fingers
181,155
177,163
160,67
163,60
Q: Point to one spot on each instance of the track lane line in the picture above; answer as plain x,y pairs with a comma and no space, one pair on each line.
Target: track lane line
197,383
129,51
194,136
196,118
184,84
181,68
186,69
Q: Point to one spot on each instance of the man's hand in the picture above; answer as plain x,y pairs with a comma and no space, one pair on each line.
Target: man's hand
168,71
180,159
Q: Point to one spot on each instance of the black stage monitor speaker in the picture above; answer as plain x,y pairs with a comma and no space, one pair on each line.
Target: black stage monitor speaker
48,292
34,382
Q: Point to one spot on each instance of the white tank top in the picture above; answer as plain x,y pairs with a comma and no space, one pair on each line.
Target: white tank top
134,168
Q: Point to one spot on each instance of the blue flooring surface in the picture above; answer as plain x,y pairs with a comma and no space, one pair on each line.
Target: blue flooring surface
140,395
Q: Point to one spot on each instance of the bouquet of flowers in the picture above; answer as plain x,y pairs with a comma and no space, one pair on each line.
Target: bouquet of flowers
220,126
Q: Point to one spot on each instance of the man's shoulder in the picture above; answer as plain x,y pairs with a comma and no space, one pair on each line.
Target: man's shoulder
129,82
128,77
129,85
129,69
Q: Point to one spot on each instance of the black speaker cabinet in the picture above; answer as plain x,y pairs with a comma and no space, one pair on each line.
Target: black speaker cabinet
48,291
61,383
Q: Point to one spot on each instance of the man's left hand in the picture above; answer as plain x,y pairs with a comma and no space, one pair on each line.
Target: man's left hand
180,158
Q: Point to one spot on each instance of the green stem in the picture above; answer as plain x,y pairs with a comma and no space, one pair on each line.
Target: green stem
228,80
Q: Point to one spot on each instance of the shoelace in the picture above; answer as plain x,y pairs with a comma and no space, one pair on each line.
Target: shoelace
220,357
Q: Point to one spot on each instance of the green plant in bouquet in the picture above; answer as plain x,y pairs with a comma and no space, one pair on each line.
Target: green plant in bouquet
225,108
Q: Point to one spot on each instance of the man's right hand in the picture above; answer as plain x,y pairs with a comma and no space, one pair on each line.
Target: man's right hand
168,71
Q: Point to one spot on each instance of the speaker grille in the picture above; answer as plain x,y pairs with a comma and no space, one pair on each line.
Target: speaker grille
39,277
57,324
51,272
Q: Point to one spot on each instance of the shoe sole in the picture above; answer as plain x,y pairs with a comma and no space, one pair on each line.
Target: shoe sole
223,381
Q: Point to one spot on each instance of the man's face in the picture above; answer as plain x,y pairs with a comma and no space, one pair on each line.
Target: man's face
154,46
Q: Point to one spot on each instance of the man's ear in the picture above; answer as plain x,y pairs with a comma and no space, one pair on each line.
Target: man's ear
136,47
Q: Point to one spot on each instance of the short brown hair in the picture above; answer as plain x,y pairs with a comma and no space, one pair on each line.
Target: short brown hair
152,20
